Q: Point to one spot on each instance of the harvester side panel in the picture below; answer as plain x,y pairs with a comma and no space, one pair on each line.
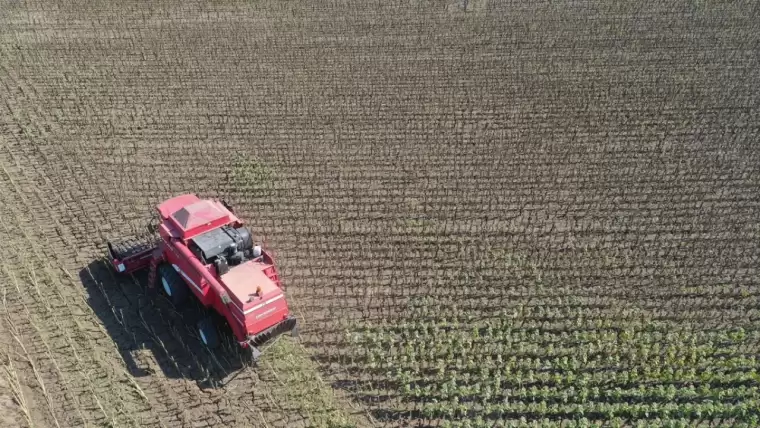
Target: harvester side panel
204,285
188,272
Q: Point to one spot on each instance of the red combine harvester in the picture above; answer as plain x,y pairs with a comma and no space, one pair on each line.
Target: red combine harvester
203,248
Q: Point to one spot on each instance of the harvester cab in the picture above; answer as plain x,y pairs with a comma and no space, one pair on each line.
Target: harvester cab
203,249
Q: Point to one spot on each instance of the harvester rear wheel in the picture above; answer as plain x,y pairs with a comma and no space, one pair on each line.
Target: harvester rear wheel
173,285
208,334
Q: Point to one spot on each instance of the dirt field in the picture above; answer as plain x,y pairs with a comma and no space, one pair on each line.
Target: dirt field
485,212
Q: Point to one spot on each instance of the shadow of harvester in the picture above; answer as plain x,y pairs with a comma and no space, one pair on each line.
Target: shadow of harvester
141,320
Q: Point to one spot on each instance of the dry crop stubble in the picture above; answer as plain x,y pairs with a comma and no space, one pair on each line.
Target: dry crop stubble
484,211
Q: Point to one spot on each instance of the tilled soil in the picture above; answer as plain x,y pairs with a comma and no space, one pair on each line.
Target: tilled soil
387,152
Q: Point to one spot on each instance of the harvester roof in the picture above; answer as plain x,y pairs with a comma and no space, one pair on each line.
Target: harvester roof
197,214
192,216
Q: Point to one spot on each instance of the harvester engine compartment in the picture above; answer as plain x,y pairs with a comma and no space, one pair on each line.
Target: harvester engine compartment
224,247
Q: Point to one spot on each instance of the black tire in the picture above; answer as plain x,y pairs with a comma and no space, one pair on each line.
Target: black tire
173,286
208,334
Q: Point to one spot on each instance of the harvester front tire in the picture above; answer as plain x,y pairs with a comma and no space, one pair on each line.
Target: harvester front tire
208,334
172,284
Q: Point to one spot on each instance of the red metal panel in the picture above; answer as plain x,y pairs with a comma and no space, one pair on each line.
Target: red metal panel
200,217
186,216
188,269
266,317
169,206
244,280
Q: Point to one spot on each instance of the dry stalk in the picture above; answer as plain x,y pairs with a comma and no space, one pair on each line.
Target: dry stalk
9,372
81,364
37,375
45,343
